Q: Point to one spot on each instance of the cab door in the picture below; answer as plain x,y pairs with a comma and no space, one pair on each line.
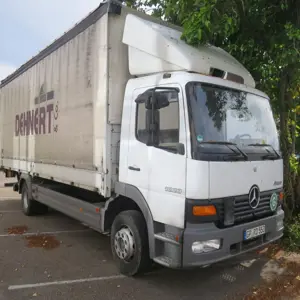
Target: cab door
159,171
138,152
167,163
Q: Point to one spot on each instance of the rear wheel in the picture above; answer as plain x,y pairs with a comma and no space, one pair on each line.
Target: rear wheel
31,207
129,243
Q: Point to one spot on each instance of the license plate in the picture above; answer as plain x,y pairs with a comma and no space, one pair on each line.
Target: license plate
254,232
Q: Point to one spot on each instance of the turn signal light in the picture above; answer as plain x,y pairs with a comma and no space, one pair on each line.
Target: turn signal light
209,210
281,196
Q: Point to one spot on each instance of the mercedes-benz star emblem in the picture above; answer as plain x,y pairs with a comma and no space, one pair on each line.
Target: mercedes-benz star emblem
254,197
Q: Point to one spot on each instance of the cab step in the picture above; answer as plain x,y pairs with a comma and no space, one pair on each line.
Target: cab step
166,261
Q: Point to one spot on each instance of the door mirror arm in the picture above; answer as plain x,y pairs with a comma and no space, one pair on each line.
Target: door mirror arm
180,149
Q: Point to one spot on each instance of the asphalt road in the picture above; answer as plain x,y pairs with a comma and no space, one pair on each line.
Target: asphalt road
67,260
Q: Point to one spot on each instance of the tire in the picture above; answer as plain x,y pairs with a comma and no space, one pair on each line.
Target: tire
31,207
129,228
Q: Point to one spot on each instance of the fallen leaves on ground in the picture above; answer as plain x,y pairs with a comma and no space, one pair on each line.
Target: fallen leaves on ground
284,285
272,251
47,242
17,229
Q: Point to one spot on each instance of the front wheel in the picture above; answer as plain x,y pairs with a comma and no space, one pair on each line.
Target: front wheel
129,243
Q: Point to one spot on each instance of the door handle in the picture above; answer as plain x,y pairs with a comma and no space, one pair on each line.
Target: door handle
134,168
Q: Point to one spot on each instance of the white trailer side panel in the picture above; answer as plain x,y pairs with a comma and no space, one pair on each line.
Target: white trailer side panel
61,114
54,115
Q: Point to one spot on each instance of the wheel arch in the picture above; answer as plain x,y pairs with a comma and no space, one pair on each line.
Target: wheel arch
134,199
25,179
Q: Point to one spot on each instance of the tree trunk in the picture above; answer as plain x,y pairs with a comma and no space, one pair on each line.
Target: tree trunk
285,146
293,136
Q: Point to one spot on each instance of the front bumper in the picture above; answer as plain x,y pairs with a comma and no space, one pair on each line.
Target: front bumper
232,239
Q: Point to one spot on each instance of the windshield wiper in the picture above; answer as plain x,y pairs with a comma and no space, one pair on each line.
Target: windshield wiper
218,142
240,154
270,155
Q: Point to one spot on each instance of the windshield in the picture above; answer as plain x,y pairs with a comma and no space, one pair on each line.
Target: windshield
220,114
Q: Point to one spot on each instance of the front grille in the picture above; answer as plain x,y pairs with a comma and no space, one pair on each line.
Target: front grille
240,210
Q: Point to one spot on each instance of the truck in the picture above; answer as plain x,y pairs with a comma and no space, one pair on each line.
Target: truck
168,149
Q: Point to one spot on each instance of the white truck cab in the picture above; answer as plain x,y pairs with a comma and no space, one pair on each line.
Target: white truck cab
207,164
172,149
201,146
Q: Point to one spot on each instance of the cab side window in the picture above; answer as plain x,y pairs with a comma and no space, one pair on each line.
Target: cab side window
169,123
167,134
140,129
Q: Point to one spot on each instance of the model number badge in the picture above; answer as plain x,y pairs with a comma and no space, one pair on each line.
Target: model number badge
173,190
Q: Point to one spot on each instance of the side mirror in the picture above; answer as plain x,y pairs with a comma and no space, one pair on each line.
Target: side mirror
142,98
160,100
160,97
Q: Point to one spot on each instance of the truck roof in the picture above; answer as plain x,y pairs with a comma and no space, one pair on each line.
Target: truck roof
155,48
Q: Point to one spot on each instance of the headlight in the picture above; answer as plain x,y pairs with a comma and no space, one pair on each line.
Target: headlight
206,246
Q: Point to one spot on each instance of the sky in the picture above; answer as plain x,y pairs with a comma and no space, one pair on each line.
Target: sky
28,26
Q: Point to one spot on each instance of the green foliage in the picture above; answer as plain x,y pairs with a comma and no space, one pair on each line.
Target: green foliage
262,34
291,240
294,163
